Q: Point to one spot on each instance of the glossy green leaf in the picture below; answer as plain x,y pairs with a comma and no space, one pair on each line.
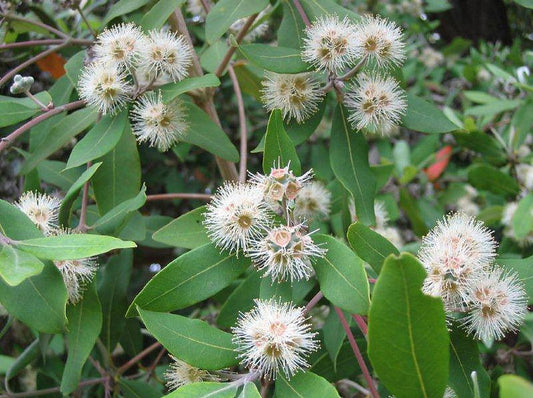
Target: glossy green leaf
342,276
291,29
241,299
172,90
278,146
225,12
74,67
85,322
489,178
319,8
275,59
192,277
213,56
276,290
205,390
112,291
369,245
15,224
14,110
521,266
123,7
16,265
138,389
349,160
101,139
159,13
483,144
191,340
72,246
425,117
185,231
72,194
407,331
512,386
206,134
304,384
493,108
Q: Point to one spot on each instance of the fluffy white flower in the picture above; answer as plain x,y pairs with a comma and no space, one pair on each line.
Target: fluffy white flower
40,208
497,303
380,211
120,45
256,31
274,337
162,125
431,58
376,103
297,96
180,373
166,53
392,234
236,215
105,87
455,253
312,200
285,253
330,44
380,40
524,172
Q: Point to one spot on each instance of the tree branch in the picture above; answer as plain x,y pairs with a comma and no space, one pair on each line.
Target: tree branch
137,358
52,390
45,42
242,125
49,28
313,302
302,13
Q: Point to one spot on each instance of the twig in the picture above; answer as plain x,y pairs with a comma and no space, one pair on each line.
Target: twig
45,42
302,13
36,23
30,61
150,370
43,107
264,389
5,142
206,6
82,224
317,297
242,125
354,70
227,57
86,21
167,196
138,357
357,353
361,323
53,389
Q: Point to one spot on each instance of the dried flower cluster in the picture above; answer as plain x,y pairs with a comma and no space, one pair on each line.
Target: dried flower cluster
43,210
127,66
458,254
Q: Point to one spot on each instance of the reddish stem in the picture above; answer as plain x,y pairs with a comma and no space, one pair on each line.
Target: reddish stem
138,357
302,13
317,297
45,42
361,323
242,125
358,354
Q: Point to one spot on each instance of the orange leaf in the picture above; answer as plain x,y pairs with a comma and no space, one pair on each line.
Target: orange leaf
442,158
54,64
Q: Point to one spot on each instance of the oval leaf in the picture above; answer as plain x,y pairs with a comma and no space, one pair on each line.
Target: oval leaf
304,384
185,231
278,146
275,59
16,265
425,117
205,390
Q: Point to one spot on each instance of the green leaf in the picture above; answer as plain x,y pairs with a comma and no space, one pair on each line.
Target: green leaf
523,217
119,177
334,335
72,194
15,224
159,13
369,245
206,134
407,332
39,301
123,7
191,340
275,59
192,277
483,144
30,354
318,8
74,67
291,29
249,391
213,56
16,266
53,172
512,386
485,177
205,390
464,359
241,299
278,146
101,139
349,160
85,322
304,384
521,266
493,108
14,110
138,389
410,206
185,231
172,90
225,12
112,290
425,117
479,97
60,135
276,290
342,276
72,246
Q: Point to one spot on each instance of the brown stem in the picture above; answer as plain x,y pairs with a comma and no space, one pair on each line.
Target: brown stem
150,370
354,70
137,358
86,21
45,42
302,13
53,389
168,196
5,142
264,389
227,57
36,23
313,302
206,6
30,61
43,107
361,323
242,125
357,353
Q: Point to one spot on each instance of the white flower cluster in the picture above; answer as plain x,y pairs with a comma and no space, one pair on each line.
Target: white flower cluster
266,220
180,373
375,101
127,65
43,210
458,254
